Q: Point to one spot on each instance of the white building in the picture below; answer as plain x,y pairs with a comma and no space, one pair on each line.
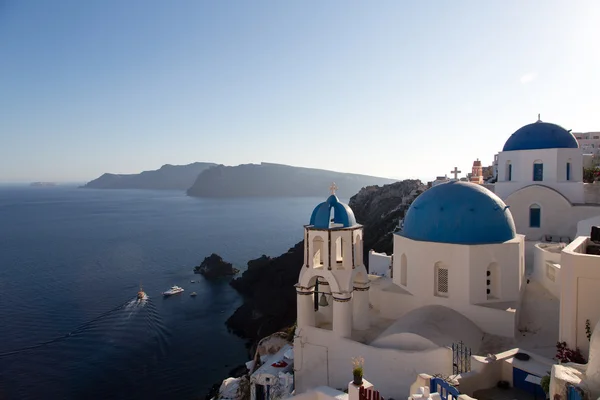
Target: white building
457,275
589,142
440,179
579,291
540,177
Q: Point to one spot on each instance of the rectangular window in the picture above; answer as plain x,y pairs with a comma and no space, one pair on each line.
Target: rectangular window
535,217
568,171
441,282
509,178
538,172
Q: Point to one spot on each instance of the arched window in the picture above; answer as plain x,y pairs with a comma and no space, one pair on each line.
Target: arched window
535,216
568,170
538,171
508,171
318,252
358,251
441,280
403,270
339,250
492,282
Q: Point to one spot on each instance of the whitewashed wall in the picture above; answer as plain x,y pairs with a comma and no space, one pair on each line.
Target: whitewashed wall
379,264
485,373
592,192
467,281
322,359
554,160
580,293
558,216
543,271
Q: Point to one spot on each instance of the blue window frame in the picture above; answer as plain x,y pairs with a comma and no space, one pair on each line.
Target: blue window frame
535,216
568,171
538,172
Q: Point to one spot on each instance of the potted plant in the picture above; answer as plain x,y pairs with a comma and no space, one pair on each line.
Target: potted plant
357,370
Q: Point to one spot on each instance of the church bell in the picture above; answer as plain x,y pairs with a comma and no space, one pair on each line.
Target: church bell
323,301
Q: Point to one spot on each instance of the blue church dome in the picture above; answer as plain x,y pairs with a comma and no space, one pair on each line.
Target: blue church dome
342,214
541,135
459,213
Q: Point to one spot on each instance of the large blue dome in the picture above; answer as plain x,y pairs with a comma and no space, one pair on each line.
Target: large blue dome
342,214
541,135
459,213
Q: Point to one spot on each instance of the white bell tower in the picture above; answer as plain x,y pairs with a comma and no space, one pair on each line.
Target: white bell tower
333,285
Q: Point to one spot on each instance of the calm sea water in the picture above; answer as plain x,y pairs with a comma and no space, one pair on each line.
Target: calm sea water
71,261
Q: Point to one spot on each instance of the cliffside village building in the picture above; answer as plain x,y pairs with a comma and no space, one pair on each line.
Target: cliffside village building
483,282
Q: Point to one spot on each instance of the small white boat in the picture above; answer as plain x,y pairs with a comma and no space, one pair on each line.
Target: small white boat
193,294
191,281
141,295
173,290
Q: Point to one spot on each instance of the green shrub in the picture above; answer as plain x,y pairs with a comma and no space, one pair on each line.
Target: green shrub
545,383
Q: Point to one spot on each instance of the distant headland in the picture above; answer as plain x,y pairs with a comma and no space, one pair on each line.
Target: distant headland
277,180
247,180
43,184
167,177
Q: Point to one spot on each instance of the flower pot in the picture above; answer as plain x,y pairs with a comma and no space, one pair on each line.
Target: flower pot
357,379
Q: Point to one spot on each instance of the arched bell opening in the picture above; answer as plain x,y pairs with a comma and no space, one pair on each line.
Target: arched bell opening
322,306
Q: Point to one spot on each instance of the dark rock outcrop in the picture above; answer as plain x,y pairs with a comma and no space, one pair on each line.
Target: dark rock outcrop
168,177
276,180
380,210
214,266
268,283
269,295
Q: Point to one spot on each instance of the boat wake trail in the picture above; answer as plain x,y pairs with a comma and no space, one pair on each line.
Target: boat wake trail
130,306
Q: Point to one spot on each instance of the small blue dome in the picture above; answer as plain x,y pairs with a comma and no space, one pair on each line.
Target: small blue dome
342,214
459,213
541,135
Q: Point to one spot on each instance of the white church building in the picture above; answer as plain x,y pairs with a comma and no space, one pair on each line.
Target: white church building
458,274
540,177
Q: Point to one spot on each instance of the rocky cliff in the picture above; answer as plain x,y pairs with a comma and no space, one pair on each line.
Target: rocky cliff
268,284
276,180
381,209
168,177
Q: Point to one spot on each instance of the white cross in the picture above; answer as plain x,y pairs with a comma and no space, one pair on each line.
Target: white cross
333,188
455,172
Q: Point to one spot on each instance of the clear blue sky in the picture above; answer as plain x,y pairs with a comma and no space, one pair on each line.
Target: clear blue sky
390,88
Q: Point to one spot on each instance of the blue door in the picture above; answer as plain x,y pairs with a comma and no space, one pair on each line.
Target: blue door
519,377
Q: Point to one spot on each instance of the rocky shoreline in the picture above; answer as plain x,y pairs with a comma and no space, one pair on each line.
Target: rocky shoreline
267,285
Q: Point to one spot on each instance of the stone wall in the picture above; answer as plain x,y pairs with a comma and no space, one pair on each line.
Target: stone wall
592,193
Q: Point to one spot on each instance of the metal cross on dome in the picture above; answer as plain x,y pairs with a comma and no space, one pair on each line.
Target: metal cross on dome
333,188
455,172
